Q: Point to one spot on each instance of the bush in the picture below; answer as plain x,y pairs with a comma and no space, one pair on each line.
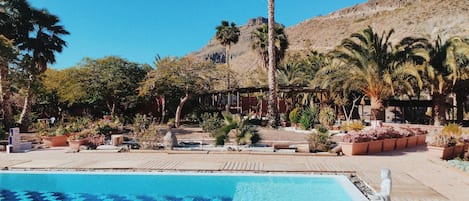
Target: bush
294,116
150,137
308,117
220,139
244,132
305,121
322,129
327,116
319,141
354,125
3,134
211,123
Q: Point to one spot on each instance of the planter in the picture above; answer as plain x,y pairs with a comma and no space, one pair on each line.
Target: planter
389,144
401,143
411,141
458,150
75,144
55,141
421,139
444,153
375,146
356,148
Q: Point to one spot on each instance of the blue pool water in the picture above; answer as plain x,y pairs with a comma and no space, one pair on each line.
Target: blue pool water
173,187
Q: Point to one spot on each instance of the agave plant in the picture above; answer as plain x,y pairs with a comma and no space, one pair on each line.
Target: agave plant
240,128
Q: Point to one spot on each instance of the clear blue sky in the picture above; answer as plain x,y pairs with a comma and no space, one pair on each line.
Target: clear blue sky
138,30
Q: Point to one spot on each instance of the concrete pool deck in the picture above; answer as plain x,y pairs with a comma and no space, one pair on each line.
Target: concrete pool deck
414,175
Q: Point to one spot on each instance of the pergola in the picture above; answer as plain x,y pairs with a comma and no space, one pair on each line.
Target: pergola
243,101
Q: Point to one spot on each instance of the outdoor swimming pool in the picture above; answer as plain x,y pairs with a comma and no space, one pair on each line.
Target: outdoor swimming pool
173,186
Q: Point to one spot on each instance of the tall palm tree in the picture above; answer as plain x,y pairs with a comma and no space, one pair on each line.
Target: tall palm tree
227,35
272,110
270,42
447,66
367,63
44,41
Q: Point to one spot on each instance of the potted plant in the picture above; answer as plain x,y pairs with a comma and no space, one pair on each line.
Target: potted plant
355,143
442,144
56,138
389,141
411,138
77,139
376,143
401,139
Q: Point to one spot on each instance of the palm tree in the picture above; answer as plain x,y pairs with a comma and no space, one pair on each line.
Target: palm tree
291,74
447,66
367,63
271,43
260,43
272,110
227,34
45,40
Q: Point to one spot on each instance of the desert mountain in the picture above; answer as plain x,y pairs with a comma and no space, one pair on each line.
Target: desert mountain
420,18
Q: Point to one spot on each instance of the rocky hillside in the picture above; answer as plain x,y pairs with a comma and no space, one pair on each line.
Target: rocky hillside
423,18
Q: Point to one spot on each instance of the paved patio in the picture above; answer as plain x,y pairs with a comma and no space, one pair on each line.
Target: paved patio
415,176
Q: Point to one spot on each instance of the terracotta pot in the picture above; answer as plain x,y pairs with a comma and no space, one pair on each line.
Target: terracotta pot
421,139
356,148
389,144
411,141
75,144
55,141
401,143
375,146
444,153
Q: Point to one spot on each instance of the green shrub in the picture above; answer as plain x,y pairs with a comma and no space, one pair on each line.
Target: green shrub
244,132
319,141
327,116
308,117
305,121
294,115
211,123
3,134
354,125
322,129
220,139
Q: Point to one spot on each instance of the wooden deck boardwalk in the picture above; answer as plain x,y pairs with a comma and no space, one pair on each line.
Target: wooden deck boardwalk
415,176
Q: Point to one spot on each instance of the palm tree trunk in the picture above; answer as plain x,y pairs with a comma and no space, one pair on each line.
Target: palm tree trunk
179,109
460,99
438,109
26,112
163,109
272,108
5,95
227,54
377,108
